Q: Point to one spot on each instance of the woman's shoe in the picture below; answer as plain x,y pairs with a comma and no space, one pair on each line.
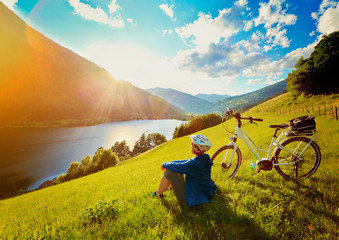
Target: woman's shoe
155,194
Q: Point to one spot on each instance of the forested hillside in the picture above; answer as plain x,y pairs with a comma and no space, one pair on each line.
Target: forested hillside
252,98
317,74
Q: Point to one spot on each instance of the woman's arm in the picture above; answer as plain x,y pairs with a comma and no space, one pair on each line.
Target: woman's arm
183,166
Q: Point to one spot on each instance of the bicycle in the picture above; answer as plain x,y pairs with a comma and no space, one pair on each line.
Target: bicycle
296,156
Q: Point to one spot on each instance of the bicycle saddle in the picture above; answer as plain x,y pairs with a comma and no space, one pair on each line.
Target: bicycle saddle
279,126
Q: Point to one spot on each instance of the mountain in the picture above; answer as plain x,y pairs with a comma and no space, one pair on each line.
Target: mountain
43,81
212,97
184,101
194,104
252,98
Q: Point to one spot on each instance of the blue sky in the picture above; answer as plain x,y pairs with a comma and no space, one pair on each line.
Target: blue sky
223,47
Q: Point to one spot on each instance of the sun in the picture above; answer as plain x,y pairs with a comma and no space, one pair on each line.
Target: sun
120,59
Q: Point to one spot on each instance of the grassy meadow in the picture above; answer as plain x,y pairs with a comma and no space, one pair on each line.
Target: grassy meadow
117,204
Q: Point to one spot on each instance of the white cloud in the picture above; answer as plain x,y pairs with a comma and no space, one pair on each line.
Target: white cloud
167,31
113,6
206,29
277,37
325,4
241,3
270,70
272,13
248,25
220,60
10,3
274,18
328,22
212,53
131,21
168,10
98,14
240,60
252,44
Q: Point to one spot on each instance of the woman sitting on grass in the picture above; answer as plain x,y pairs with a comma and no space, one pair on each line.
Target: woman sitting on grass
197,187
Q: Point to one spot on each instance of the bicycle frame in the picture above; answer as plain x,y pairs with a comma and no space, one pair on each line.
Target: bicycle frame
239,133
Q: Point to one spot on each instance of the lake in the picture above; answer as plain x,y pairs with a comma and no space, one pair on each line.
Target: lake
28,157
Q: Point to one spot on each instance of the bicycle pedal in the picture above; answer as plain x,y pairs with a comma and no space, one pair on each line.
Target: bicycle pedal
224,166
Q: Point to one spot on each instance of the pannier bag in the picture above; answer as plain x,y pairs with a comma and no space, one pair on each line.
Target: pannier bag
304,123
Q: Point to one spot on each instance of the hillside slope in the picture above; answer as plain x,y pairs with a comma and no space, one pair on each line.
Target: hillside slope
43,81
184,101
252,98
250,206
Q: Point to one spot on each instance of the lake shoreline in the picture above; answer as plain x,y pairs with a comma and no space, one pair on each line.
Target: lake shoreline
69,123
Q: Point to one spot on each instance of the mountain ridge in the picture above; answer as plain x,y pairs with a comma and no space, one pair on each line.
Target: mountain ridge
212,97
184,101
252,98
195,105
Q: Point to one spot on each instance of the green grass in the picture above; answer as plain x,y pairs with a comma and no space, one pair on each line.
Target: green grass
250,206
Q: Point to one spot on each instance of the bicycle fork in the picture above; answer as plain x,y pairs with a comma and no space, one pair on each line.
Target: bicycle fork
228,165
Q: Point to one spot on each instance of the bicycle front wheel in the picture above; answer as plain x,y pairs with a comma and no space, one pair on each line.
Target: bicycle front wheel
299,158
223,157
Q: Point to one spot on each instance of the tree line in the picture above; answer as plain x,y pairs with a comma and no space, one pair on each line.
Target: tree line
105,158
197,124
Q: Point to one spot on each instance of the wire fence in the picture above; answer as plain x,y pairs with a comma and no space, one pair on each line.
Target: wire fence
317,110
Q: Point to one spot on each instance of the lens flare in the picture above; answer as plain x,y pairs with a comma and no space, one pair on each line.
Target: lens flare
253,166
119,103
34,38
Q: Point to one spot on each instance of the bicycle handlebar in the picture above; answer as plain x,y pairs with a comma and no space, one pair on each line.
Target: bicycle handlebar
254,119
239,118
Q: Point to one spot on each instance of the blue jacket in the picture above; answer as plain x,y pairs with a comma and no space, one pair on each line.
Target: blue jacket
199,187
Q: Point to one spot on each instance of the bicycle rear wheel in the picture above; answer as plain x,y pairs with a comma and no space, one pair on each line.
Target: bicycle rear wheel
297,166
224,153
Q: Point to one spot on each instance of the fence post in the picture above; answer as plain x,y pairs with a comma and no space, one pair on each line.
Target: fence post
336,113
319,110
325,109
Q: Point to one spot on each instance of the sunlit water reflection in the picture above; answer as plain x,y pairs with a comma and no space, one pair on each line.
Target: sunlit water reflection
30,156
